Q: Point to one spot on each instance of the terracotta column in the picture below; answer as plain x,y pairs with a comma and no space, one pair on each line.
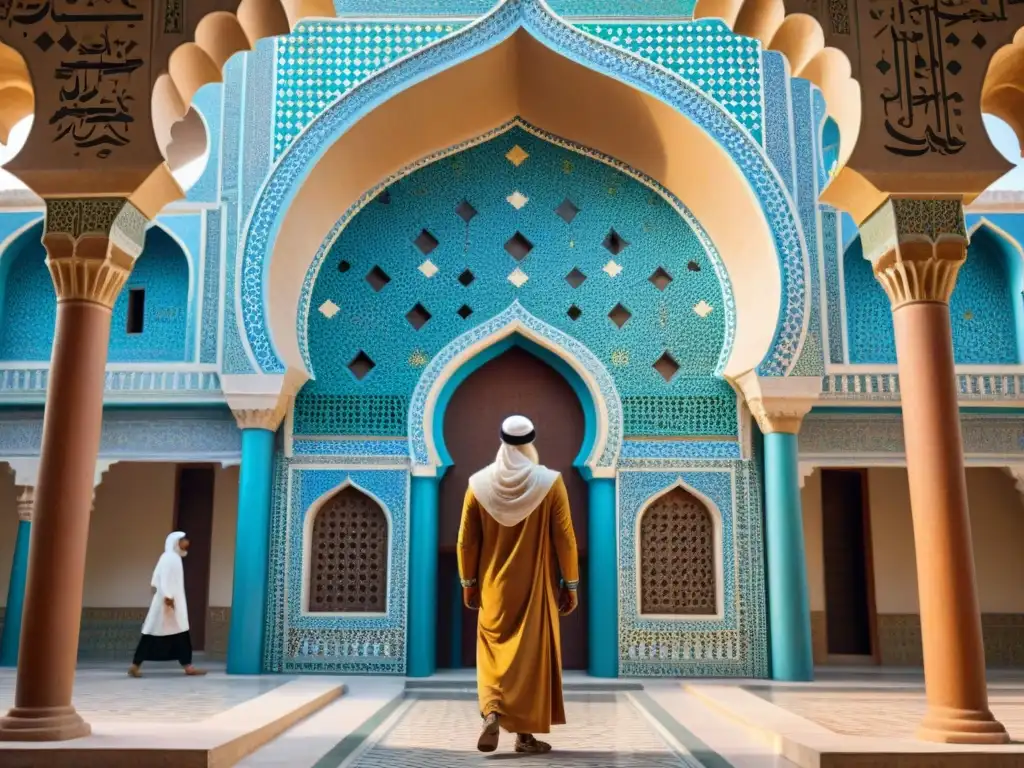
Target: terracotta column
916,247
91,245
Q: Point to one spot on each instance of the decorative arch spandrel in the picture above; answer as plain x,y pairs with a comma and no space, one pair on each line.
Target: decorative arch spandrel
109,81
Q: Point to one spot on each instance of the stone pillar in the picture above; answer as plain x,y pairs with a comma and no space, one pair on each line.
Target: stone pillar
916,248
779,405
252,540
602,591
91,245
421,635
16,589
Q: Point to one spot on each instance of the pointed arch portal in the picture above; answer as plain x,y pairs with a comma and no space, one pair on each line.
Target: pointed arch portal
522,61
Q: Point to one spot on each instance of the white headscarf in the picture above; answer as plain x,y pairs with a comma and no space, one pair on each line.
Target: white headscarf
515,484
169,581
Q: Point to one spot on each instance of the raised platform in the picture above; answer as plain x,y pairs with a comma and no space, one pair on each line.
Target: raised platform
834,724
167,719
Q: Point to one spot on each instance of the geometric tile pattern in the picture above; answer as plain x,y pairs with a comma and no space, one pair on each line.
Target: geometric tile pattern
725,66
322,60
602,731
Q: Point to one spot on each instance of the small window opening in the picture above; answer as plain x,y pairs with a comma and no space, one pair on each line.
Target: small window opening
136,310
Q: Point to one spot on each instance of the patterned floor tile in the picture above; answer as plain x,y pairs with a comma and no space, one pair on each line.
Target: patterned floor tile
604,732
163,695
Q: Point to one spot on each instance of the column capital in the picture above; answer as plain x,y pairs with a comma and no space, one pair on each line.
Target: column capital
916,247
778,404
91,245
261,401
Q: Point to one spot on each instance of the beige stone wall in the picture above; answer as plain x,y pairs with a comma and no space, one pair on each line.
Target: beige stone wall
997,526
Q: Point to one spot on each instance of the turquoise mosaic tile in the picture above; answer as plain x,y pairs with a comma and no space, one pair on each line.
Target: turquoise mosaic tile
707,54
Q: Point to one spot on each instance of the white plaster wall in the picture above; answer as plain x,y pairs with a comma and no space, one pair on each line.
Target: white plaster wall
225,518
997,531
132,515
8,529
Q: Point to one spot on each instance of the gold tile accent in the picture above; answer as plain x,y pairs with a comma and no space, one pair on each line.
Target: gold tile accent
620,357
517,155
418,358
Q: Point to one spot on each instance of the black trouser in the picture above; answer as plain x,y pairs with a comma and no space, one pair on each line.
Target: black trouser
164,648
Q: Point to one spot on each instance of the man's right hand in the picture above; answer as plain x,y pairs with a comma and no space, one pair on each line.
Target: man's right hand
471,597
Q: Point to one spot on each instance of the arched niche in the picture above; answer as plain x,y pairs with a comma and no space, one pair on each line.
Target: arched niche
522,62
347,546
985,309
679,556
150,317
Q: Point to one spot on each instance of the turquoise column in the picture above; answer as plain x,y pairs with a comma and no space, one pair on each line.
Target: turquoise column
602,587
789,613
15,598
252,551
421,638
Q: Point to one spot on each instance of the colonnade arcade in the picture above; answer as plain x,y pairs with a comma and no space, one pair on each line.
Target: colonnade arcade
98,155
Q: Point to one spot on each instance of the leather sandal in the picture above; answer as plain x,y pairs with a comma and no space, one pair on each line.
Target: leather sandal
527,744
488,741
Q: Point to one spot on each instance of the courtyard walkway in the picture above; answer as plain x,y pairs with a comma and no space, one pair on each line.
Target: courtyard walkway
170,720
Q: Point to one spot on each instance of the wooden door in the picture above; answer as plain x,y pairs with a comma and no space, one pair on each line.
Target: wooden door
194,516
849,588
515,382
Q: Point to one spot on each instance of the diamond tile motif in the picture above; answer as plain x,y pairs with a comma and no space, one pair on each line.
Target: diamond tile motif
361,365
575,278
615,243
465,211
418,316
567,211
378,278
619,315
612,269
465,311
428,268
329,309
693,266
660,279
517,155
344,266
666,366
518,246
574,313
518,278
702,308
467,278
426,242
517,200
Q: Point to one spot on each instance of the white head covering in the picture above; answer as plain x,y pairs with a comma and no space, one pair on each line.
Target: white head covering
169,581
514,485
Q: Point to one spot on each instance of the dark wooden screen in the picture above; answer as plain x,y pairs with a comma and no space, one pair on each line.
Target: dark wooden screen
194,515
349,556
677,557
514,382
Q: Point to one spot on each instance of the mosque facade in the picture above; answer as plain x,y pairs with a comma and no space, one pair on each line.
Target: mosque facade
415,221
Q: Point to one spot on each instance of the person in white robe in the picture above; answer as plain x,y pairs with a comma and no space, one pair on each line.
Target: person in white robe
165,635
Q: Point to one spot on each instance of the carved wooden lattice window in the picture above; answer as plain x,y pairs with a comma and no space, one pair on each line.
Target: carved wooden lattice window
677,557
349,556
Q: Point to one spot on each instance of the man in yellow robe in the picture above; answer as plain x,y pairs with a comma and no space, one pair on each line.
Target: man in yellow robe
518,564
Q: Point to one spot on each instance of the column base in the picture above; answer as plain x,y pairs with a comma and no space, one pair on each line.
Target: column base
43,724
962,726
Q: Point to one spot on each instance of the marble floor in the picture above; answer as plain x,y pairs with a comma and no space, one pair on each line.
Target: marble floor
104,692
